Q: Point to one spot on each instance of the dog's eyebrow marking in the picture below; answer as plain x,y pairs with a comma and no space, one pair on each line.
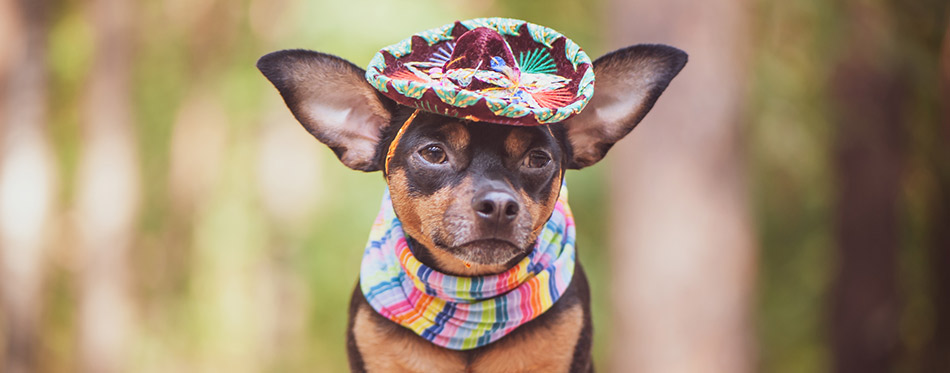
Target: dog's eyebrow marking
456,135
517,141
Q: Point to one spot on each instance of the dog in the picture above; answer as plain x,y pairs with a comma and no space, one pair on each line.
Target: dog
471,196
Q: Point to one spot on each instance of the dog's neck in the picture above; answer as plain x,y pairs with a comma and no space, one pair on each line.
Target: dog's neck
448,264
464,312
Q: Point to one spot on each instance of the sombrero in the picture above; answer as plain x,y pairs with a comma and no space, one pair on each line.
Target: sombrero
497,70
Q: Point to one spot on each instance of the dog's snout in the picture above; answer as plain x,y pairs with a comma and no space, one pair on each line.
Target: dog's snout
496,206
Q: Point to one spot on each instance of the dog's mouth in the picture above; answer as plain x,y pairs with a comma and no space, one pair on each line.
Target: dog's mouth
487,251
490,243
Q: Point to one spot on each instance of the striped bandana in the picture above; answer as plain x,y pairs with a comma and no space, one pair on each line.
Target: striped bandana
462,313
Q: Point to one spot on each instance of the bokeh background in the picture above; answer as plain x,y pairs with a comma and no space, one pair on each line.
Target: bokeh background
784,208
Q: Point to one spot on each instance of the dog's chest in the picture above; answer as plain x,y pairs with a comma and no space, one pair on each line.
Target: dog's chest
387,347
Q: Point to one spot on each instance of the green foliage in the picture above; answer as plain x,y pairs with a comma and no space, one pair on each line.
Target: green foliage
789,135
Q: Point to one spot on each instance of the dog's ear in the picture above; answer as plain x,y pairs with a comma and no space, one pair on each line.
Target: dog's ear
628,82
330,97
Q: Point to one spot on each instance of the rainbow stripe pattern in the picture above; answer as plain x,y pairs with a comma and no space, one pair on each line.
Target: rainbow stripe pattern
462,313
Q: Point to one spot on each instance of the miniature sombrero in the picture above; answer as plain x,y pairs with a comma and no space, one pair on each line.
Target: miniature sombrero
487,69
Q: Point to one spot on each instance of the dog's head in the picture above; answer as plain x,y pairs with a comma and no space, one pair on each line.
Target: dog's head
472,195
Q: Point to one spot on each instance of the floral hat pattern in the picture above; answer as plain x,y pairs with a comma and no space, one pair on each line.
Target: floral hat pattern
496,70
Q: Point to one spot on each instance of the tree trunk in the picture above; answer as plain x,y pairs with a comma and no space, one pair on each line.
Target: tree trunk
939,350
27,180
867,93
684,257
108,191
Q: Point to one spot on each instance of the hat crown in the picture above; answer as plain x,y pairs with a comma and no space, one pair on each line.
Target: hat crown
480,49
477,50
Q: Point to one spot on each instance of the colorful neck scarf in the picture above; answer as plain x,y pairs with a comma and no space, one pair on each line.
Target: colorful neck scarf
462,313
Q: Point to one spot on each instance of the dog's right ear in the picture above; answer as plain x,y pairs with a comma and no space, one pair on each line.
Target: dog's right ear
333,101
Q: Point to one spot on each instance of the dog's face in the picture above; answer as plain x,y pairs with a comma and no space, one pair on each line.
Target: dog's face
473,195
474,192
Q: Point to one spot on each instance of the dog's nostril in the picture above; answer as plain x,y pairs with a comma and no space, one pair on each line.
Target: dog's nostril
485,207
511,209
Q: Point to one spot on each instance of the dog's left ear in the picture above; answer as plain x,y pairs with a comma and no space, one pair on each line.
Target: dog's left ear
628,82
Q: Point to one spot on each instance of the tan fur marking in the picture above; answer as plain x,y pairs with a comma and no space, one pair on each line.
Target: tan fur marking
422,216
546,348
384,352
419,214
540,212
517,142
456,135
549,348
399,191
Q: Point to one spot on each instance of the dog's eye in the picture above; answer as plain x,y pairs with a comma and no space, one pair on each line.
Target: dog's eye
537,159
433,154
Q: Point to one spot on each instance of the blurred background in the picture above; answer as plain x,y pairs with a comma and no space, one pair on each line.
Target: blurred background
784,208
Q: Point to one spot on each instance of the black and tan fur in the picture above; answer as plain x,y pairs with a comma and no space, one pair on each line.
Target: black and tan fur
470,196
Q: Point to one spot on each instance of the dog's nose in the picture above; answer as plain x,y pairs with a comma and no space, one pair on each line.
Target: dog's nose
496,206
